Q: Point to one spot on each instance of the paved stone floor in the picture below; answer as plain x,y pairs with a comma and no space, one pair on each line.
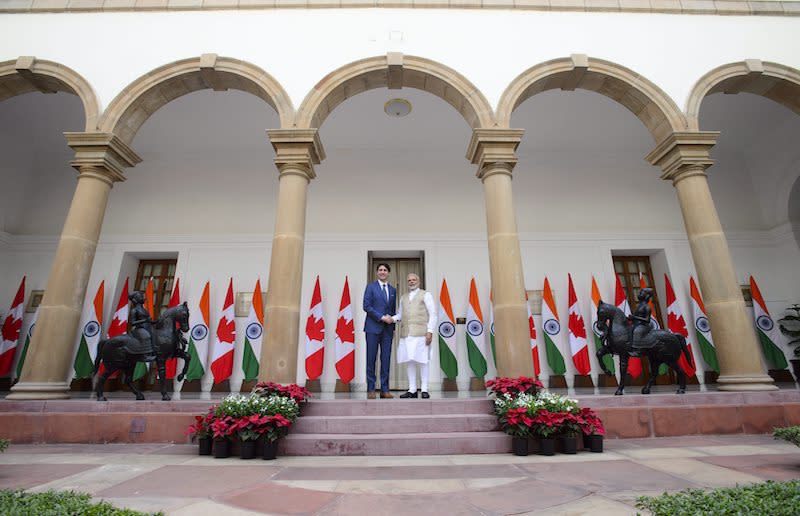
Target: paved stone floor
171,478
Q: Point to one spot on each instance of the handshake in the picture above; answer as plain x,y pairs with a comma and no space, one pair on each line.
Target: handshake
387,319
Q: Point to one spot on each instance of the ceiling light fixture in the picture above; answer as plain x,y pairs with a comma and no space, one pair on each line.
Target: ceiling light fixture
397,108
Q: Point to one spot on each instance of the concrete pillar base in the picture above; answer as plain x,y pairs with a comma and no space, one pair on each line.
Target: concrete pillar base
746,383
39,391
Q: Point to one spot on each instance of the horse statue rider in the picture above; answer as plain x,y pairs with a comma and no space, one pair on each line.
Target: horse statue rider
640,323
633,336
142,324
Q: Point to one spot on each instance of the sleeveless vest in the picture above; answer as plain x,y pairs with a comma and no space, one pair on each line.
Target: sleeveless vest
415,316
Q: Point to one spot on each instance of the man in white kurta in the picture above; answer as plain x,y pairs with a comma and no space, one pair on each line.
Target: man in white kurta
417,318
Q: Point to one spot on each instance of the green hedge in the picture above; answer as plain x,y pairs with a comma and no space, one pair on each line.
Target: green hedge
788,433
57,503
4,444
770,498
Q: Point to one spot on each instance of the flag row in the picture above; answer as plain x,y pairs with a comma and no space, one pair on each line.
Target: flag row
217,354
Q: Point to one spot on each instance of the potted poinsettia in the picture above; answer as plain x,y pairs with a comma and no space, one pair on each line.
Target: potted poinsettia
512,411
201,430
514,386
545,425
249,430
222,428
273,428
593,430
297,393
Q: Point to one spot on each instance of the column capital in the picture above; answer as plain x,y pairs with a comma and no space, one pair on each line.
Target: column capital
297,149
494,148
682,154
103,152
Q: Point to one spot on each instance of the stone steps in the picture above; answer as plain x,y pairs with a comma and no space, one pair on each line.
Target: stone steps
437,443
446,423
396,427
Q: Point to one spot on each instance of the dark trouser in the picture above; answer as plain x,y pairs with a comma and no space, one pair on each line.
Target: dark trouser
384,341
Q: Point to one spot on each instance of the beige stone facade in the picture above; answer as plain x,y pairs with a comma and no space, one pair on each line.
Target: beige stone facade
681,151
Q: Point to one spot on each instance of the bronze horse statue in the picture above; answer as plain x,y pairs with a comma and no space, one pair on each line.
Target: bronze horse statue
121,353
659,346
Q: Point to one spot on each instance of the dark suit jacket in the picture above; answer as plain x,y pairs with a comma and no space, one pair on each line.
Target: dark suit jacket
376,306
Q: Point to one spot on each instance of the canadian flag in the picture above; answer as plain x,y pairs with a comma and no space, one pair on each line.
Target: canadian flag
677,324
222,350
579,346
345,345
315,336
10,332
532,332
119,323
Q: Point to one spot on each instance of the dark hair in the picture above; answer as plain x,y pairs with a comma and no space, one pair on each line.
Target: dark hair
388,268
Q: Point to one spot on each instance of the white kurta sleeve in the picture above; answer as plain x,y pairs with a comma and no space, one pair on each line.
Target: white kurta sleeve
433,315
399,315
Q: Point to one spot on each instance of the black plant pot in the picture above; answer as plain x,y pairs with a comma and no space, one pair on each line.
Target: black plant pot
569,444
270,450
595,443
519,446
247,450
547,446
204,447
222,448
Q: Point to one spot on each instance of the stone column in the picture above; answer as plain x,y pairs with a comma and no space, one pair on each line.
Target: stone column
684,158
297,150
494,151
100,159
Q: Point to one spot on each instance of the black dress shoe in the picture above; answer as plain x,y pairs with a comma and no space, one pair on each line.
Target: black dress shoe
409,395
425,395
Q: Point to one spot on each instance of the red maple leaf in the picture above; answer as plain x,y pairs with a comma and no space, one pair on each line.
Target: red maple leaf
117,327
226,331
11,328
676,324
345,330
576,325
315,328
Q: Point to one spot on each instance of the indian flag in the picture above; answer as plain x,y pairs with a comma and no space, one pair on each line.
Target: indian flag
767,329
254,329
578,345
90,334
608,360
198,338
702,328
476,345
677,324
552,329
532,331
491,328
621,300
28,337
447,334
225,337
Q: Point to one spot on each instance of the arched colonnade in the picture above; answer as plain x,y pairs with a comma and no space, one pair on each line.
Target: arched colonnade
103,152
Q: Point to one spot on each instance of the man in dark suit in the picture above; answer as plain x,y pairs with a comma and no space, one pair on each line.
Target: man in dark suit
380,300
